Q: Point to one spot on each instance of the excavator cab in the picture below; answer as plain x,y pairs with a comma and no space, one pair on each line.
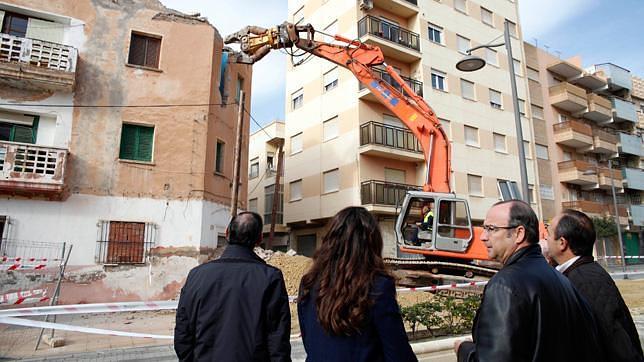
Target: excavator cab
429,222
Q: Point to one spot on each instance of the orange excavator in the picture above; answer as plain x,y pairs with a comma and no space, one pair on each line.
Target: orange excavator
443,240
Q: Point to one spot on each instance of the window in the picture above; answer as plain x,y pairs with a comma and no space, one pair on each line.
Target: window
270,164
144,50
467,89
254,168
15,24
297,98
537,112
533,74
438,80
136,142
542,151
269,194
546,192
446,126
17,133
461,5
240,88
330,79
512,28
521,106
475,185
331,180
296,143
508,190
495,99
219,156
330,129
471,136
531,195
562,118
295,190
499,142
566,156
491,56
252,205
487,17
435,33
123,242
517,67
526,149
462,44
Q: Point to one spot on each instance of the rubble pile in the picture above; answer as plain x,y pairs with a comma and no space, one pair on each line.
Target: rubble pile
293,266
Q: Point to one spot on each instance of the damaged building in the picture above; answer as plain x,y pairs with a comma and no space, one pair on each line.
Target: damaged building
118,123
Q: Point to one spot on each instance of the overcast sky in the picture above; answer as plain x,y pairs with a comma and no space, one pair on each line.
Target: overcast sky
599,31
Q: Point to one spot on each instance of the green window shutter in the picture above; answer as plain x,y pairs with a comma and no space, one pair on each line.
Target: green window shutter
146,141
128,142
23,134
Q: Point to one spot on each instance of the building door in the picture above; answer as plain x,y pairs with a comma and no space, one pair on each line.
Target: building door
306,244
126,242
631,246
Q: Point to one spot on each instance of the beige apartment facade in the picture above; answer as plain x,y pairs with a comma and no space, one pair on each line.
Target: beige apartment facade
343,148
117,135
582,118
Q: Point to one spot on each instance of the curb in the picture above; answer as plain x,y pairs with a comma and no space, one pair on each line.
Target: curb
438,345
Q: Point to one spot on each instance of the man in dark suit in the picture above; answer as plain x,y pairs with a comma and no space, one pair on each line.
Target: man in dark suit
234,308
570,244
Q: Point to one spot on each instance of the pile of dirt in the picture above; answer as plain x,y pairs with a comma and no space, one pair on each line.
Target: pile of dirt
293,267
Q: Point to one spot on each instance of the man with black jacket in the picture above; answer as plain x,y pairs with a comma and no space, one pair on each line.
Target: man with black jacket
234,308
529,311
570,244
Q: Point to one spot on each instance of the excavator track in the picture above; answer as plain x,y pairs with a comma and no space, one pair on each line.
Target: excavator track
440,266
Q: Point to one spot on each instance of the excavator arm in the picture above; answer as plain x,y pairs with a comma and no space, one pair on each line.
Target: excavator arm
359,58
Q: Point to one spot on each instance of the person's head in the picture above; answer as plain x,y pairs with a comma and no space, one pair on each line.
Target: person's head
344,267
509,226
245,229
571,234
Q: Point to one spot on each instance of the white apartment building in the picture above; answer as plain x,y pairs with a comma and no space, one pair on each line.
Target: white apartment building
343,148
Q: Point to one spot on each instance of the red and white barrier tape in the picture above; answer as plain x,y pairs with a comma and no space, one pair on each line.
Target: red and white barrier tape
71,328
619,257
22,266
441,287
20,297
17,259
90,308
29,300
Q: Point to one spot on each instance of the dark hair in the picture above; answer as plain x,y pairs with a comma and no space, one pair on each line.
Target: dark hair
245,229
522,214
343,270
579,231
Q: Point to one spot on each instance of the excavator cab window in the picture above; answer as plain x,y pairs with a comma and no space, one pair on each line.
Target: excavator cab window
454,227
418,224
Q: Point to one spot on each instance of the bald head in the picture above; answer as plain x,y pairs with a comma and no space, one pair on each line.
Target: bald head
245,229
520,213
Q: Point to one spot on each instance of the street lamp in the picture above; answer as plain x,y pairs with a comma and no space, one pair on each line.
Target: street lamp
473,63
619,228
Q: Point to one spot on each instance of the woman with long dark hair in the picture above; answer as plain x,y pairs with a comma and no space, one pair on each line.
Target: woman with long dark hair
347,302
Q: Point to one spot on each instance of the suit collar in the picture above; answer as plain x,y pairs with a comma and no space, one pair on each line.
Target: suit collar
581,261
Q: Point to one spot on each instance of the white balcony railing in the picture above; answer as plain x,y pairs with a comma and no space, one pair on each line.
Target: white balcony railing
36,52
25,167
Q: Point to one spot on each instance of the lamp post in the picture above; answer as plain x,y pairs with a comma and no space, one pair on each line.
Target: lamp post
473,63
619,228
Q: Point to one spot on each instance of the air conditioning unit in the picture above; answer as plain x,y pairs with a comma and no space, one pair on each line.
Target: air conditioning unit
366,5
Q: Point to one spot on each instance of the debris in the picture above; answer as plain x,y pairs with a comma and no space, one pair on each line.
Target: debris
53,342
291,252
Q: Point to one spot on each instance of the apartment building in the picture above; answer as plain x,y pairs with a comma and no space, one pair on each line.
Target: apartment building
584,118
263,155
117,135
343,148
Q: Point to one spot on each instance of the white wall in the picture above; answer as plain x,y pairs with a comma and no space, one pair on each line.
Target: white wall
180,222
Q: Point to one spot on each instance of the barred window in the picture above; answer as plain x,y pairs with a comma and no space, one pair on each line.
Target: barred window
124,242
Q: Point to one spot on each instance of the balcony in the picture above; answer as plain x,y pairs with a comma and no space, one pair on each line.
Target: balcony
577,172
573,134
618,78
565,70
403,8
415,85
394,41
599,109
608,177
589,207
384,196
630,144
624,111
568,97
37,64
633,178
382,140
603,142
30,170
